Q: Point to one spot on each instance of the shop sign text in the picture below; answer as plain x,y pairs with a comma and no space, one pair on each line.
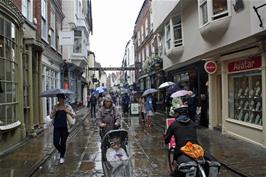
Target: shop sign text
247,64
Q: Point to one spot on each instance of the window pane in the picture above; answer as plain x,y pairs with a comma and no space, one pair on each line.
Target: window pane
8,49
219,6
2,69
245,103
9,113
1,46
2,92
1,26
2,114
8,29
8,71
9,92
204,12
13,32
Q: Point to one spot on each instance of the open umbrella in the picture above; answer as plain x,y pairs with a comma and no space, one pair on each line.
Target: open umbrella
180,93
99,90
166,84
55,92
149,91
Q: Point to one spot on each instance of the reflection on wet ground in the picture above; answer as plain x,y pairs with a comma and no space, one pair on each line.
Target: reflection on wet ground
147,152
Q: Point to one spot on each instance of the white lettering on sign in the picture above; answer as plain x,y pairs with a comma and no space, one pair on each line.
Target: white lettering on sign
246,64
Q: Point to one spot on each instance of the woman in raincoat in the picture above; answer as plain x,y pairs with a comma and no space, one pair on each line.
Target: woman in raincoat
108,117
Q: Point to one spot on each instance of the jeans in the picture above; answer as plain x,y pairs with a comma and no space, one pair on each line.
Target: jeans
93,111
60,138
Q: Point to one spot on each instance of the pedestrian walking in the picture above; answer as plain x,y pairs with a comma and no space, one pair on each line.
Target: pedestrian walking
59,116
148,106
93,103
108,117
142,109
125,104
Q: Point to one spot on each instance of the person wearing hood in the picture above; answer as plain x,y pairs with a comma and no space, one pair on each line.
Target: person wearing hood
183,128
108,117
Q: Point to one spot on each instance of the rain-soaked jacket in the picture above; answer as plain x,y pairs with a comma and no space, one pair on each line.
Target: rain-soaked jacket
184,130
109,116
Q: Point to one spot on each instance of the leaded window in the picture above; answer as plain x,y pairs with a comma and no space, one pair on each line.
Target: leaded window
8,67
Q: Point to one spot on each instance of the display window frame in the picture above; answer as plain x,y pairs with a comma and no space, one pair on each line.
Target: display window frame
244,96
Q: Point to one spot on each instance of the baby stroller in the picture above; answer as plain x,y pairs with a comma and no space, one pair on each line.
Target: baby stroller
116,163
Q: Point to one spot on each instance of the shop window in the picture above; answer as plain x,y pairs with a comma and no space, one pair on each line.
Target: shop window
245,102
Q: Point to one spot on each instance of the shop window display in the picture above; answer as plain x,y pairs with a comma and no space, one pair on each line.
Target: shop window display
245,102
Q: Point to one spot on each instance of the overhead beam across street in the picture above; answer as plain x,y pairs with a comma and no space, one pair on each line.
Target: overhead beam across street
111,68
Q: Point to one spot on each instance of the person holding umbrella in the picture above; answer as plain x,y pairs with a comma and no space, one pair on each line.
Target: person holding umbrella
59,116
148,106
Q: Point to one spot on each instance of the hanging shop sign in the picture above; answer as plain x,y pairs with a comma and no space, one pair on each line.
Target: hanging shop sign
210,67
253,62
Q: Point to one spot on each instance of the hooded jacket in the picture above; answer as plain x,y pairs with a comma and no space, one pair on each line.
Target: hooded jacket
183,129
110,116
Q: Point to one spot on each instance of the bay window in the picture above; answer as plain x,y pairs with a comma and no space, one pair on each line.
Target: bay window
8,67
212,10
77,41
168,36
177,31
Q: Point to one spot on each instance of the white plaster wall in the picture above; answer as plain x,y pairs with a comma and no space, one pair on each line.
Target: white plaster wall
160,10
68,8
241,26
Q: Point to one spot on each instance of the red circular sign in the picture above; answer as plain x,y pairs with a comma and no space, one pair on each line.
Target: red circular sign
210,67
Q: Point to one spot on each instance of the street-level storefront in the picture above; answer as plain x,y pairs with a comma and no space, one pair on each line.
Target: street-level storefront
12,125
193,77
50,80
237,93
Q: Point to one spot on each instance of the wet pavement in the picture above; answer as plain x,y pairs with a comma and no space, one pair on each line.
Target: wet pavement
147,152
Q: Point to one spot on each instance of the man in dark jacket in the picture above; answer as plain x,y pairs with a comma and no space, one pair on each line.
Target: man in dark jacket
93,103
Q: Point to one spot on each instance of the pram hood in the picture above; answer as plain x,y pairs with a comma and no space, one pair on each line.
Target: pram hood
116,168
120,133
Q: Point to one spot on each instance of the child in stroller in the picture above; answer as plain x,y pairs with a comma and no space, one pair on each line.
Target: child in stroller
115,159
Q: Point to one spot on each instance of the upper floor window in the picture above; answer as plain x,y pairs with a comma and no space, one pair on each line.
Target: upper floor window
168,36
177,31
44,20
138,36
146,27
27,9
219,8
77,41
142,33
53,37
212,9
147,51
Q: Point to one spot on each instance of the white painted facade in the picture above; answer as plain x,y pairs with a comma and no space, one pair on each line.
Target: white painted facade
234,37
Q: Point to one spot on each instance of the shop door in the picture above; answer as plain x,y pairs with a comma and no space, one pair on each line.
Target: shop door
219,102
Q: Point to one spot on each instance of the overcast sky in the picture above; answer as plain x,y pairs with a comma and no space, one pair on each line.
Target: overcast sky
113,24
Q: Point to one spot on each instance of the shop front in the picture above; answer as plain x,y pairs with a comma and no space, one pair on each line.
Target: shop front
193,77
12,122
243,97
